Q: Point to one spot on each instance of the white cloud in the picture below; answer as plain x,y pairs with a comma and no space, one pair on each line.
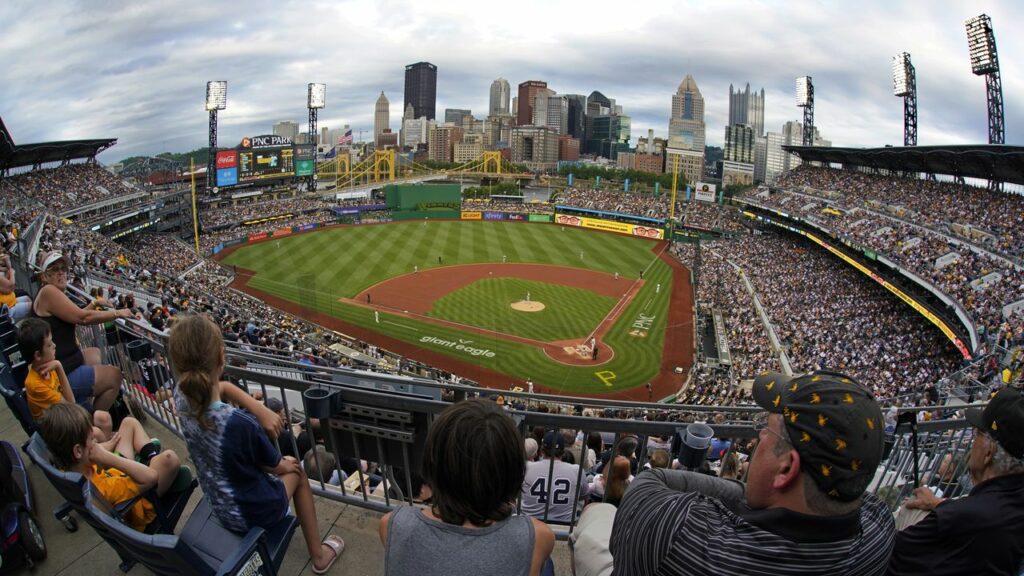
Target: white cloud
137,70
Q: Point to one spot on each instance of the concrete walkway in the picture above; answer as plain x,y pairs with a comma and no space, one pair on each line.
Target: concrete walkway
84,552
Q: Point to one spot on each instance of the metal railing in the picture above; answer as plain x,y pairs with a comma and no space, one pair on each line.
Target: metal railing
380,422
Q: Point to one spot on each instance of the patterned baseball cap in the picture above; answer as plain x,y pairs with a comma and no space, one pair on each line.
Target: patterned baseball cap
1002,419
834,424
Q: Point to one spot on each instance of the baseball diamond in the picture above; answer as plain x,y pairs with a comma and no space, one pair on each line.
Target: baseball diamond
453,294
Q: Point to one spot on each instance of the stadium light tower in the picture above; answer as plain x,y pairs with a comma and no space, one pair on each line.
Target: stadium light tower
216,99
981,43
316,98
904,84
805,100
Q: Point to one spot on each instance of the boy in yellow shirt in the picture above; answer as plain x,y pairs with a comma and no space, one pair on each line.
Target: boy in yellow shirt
68,433
46,383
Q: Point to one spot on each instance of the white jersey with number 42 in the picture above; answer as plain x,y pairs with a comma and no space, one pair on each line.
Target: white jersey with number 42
559,486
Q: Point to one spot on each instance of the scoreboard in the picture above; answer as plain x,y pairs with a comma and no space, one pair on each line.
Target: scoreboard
263,158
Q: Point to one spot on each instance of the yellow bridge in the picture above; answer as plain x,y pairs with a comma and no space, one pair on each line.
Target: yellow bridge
384,166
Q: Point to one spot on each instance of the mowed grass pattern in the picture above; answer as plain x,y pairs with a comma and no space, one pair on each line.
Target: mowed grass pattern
317,269
568,312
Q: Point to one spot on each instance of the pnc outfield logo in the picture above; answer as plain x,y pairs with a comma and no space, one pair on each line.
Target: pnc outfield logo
461,345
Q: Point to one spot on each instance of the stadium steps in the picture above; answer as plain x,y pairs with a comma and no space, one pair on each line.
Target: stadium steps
84,552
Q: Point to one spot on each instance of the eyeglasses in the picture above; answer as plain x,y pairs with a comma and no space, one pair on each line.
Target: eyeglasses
760,423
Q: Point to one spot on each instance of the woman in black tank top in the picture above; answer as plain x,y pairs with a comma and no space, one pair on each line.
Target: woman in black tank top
88,376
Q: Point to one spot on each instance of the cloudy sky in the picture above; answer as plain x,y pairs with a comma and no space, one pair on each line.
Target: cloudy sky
136,70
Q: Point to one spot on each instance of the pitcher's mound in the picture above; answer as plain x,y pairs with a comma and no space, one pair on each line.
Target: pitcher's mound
524,306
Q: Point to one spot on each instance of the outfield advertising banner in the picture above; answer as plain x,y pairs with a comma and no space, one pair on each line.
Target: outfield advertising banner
472,215
259,236
495,216
282,232
610,226
218,248
517,217
539,217
305,227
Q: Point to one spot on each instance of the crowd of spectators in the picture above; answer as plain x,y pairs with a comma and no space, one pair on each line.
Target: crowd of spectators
720,288
830,316
209,240
160,253
634,203
508,206
708,216
268,209
825,314
928,202
919,249
67,187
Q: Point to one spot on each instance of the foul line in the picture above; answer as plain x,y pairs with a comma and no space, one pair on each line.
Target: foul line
400,325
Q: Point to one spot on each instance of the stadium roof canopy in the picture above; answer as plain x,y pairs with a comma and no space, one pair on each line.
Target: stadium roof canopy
987,162
15,156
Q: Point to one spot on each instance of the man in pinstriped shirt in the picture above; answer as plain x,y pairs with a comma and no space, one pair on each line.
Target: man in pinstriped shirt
802,511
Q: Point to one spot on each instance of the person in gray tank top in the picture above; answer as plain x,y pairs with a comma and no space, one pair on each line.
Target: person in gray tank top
474,464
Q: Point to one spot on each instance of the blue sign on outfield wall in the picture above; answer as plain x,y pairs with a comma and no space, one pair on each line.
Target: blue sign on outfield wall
227,176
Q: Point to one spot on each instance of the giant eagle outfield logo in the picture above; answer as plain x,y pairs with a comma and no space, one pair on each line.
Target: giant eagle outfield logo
461,345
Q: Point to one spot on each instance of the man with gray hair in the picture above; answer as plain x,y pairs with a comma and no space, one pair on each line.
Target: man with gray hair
980,533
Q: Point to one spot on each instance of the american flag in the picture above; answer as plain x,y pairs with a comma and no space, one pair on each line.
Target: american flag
346,139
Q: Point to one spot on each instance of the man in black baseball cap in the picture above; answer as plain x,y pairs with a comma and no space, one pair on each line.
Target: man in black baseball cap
803,509
980,533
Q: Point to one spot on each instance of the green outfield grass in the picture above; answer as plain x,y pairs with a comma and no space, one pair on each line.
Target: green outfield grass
317,269
568,313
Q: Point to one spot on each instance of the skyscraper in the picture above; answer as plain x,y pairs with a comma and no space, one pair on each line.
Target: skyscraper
381,117
577,121
421,89
286,128
739,143
686,135
455,115
687,121
747,108
527,93
557,117
500,95
606,128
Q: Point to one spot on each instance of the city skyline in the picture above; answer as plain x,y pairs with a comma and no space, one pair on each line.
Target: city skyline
137,72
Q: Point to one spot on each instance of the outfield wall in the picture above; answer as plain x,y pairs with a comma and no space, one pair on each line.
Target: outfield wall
504,216
610,226
411,201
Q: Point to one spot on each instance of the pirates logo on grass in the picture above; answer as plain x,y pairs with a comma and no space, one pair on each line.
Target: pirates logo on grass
638,333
